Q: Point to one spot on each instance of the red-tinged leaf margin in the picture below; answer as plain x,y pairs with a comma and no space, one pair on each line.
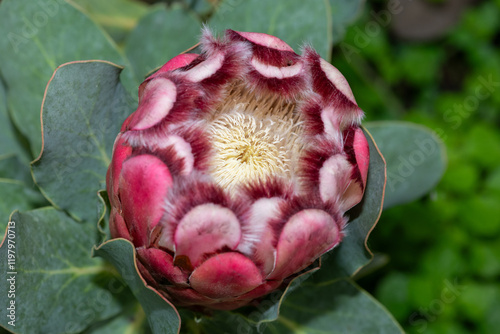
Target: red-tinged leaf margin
114,113
381,199
353,254
157,308
326,274
47,88
399,140
141,290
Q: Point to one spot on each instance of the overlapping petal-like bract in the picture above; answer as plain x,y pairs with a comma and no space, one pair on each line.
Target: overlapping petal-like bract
236,169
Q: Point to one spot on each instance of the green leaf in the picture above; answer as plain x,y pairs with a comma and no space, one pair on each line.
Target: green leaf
132,320
270,308
482,145
117,17
83,110
321,23
103,221
338,307
480,215
8,142
40,35
218,322
58,287
159,36
344,13
477,299
415,156
461,178
252,318
162,316
12,168
353,253
393,292
202,8
13,198
17,189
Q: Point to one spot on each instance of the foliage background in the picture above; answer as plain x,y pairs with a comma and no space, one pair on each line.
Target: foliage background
438,259
442,252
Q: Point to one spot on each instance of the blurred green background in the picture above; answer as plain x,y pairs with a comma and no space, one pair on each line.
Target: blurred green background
436,63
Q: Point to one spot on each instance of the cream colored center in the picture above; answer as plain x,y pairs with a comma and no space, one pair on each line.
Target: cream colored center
253,138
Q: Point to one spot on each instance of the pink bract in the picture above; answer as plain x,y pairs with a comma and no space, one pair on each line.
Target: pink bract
236,170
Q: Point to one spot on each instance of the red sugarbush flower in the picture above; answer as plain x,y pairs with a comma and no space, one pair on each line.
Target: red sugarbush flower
236,169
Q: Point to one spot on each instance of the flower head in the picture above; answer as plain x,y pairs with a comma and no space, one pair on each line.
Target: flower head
236,169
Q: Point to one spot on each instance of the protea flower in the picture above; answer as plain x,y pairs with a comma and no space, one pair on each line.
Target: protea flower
236,170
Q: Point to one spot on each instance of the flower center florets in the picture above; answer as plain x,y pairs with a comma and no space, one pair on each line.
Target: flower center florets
254,137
